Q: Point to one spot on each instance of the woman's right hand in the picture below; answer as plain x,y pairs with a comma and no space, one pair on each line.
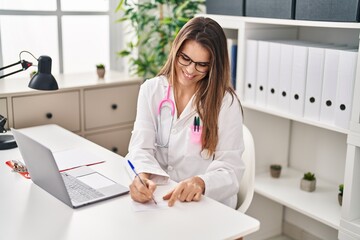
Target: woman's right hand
139,192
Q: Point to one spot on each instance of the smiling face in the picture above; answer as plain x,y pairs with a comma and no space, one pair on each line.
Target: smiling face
198,58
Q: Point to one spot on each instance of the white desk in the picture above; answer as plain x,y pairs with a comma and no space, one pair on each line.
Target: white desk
28,212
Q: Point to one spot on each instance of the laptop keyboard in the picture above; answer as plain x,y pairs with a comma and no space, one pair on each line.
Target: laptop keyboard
79,191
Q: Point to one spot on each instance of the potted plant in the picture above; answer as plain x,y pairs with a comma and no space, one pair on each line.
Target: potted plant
308,182
32,73
100,70
275,170
153,26
340,195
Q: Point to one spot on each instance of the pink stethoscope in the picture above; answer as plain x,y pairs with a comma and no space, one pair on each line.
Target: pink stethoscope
164,143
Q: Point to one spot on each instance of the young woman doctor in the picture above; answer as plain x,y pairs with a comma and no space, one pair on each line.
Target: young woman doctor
188,125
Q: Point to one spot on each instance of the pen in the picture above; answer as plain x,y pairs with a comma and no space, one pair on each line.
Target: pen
133,168
198,124
195,122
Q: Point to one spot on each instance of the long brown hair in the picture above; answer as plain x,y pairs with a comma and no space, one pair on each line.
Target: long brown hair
210,90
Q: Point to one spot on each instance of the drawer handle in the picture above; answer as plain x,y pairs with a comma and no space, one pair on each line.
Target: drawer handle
49,115
114,106
114,149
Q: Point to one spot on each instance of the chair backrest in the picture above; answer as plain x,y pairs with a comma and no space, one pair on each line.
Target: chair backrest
247,182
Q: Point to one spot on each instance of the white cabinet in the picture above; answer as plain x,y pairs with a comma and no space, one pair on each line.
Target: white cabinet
116,140
299,144
101,110
110,106
61,108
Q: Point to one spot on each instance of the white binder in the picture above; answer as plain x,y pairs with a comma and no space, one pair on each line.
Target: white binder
345,87
298,80
314,80
286,61
328,97
273,75
250,70
262,73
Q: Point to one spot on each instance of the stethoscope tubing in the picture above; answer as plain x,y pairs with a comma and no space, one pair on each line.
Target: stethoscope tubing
167,100
172,108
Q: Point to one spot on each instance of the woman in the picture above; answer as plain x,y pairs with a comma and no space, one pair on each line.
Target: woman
201,144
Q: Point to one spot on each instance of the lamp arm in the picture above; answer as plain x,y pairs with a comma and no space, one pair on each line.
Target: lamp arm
25,65
2,68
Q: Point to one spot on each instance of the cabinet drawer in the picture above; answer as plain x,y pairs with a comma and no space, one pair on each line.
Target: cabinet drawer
115,140
3,110
58,108
110,106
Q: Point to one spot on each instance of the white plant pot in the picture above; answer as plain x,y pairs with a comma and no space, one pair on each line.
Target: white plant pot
100,72
340,198
307,185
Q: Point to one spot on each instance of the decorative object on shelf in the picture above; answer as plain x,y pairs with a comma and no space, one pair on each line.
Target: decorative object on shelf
275,170
230,7
308,182
32,73
153,26
42,80
340,195
327,10
270,8
100,70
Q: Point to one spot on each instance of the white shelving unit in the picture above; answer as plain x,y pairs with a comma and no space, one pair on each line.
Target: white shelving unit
286,191
299,144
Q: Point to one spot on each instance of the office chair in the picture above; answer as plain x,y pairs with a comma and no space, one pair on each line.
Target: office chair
247,182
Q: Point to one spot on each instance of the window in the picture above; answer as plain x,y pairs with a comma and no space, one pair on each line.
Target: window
75,34
89,35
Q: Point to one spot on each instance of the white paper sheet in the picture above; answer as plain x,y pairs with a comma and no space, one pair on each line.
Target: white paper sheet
150,206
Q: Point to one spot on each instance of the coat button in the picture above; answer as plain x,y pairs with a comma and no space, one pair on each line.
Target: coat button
170,168
173,131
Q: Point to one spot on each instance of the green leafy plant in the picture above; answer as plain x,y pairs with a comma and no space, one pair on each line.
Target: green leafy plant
341,189
32,73
153,26
100,65
275,166
309,176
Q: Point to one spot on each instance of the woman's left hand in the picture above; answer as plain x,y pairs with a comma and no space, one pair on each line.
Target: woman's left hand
188,190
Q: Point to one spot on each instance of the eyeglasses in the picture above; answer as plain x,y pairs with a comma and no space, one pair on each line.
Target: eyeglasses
184,60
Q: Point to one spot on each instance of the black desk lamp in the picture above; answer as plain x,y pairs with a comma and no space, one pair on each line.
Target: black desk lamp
42,80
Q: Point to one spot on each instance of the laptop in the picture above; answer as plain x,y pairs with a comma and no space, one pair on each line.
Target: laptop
76,187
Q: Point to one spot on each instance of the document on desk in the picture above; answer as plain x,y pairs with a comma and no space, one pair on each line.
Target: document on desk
150,206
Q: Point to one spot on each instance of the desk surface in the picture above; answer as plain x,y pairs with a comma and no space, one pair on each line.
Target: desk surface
28,212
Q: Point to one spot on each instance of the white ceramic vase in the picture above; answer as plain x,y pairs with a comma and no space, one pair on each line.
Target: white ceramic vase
307,185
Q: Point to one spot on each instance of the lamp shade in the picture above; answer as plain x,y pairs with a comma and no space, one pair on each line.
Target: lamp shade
43,79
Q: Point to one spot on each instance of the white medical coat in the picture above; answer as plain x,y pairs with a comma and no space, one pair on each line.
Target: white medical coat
182,159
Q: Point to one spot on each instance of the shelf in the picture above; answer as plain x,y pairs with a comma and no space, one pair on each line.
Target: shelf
353,226
294,118
233,22
305,23
322,204
19,86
